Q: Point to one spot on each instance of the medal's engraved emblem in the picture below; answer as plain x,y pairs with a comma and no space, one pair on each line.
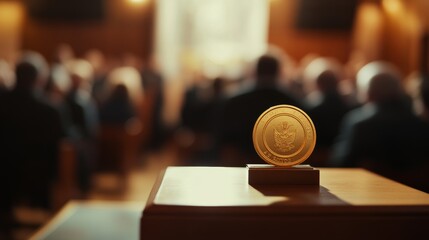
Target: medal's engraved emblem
284,136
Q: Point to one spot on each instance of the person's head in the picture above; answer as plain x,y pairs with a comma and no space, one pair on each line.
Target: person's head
120,91
322,74
32,70
267,70
379,82
130,78
26,75
327,81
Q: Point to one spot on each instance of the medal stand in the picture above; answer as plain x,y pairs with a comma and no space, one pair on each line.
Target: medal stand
267,174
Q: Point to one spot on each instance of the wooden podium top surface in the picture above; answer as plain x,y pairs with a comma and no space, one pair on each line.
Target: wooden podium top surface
221,190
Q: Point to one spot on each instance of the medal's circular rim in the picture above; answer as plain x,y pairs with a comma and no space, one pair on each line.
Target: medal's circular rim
268,160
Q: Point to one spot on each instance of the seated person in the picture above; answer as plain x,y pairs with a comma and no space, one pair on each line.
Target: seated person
424,93
83,119
327,106
117,109
384,135
30,133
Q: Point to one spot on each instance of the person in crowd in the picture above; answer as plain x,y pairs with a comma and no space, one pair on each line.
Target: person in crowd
6,77
417,87
122,124
153,84
117,108
84,119
58,84
198,101
424,93
199,118
384,135
131,79
98,62
297,83
326,105
56,90
239,113
30,134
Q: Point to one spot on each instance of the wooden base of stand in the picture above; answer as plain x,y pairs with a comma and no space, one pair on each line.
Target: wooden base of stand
266,174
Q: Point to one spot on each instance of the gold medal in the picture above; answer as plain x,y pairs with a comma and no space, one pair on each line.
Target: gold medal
284,135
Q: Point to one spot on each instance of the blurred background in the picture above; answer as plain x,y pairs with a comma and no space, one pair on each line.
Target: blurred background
213,37
113,91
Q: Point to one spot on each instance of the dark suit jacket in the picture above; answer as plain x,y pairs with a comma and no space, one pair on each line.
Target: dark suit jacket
327,116
388,139
30,131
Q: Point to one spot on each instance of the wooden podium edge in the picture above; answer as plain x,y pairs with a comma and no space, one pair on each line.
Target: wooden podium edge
266,174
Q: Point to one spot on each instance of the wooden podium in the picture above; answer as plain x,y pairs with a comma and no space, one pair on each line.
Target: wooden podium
267,174
218,203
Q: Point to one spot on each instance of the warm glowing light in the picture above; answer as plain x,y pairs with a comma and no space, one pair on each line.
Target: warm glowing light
392,6
368,35
210,37
10,14
137,1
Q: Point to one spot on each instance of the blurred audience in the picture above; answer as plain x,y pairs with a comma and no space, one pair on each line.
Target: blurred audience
76,99
240,113
56,89
199,104
7,78
117,108
153,84
84,119
424,93
327,106
58,84
417,87
122,119
384,135
98,62
297,83
119,105
30,133
199,113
